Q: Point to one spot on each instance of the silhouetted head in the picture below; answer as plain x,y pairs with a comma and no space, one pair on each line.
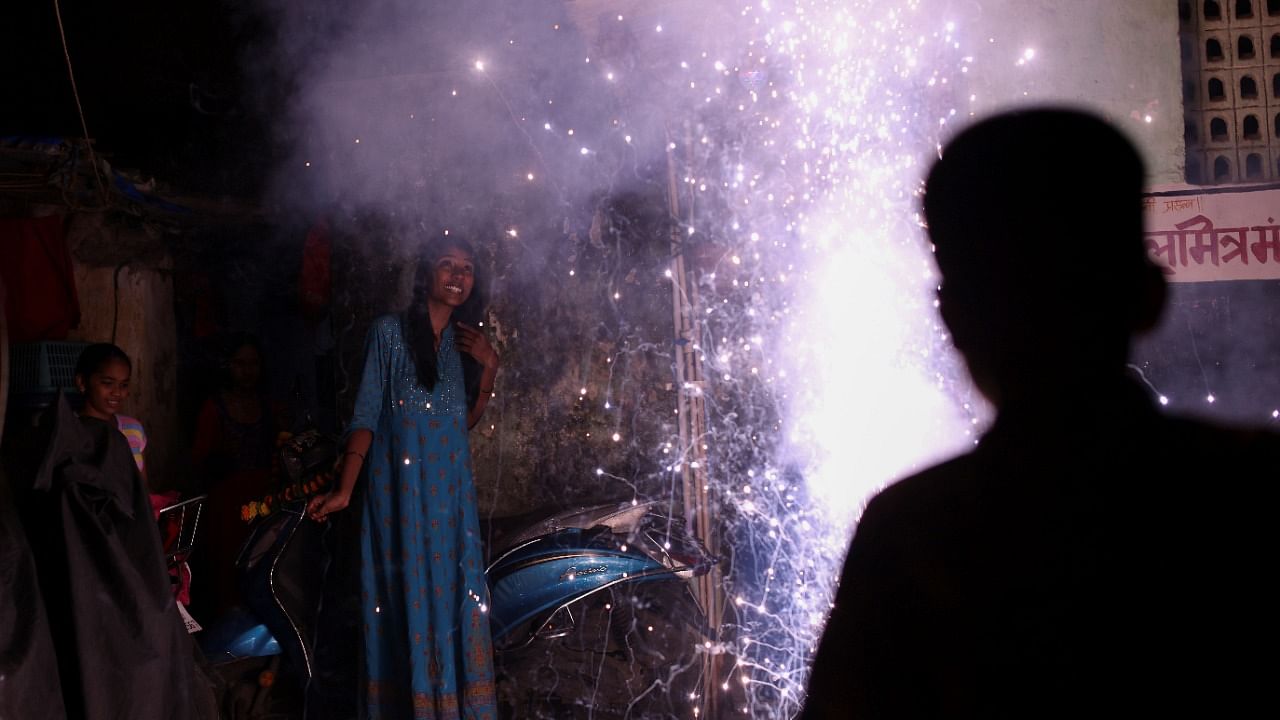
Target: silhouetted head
1036,221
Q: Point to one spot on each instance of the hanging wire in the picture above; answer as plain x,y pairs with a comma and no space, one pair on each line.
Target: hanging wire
84,126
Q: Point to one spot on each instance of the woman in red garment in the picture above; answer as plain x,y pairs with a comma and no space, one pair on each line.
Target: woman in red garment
235,436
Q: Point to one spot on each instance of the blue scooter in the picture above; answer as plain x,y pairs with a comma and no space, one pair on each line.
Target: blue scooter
585,572
568,558
593,616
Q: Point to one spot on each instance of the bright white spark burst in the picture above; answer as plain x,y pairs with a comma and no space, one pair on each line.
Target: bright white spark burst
818,327
831,280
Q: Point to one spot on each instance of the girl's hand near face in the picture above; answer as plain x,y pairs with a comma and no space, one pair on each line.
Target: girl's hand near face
474,343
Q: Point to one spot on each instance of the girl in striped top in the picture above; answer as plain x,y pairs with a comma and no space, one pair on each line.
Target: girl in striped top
102,376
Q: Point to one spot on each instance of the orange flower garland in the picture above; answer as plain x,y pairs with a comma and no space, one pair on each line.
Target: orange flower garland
255,509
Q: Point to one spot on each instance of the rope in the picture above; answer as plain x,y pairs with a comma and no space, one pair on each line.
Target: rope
84,126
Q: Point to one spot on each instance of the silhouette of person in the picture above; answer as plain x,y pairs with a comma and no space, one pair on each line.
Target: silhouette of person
1089,556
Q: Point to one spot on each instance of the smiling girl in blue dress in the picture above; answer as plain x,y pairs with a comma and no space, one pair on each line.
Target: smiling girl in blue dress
427,377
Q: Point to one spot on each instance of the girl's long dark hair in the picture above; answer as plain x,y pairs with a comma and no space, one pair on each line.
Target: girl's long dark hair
420,336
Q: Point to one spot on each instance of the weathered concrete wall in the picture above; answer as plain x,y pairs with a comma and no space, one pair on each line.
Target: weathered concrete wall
1119,58
543,438
144,327
581,314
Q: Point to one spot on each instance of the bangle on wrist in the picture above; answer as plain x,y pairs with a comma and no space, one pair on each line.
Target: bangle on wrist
353,452
486,391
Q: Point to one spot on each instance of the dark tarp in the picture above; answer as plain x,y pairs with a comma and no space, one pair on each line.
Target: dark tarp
122,649
28,664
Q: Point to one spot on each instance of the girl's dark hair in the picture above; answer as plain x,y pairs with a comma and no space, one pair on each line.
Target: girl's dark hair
420,336
239,339
95,356
230,346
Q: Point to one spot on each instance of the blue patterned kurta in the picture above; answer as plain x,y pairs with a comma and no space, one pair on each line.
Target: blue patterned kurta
425,603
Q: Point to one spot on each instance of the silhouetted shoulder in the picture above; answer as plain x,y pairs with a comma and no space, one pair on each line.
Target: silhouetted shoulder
926,497
1229,441
1222,464
943,479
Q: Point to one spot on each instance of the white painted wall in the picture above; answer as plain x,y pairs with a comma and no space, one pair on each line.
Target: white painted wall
1119,58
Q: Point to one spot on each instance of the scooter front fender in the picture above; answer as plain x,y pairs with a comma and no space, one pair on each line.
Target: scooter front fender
530,583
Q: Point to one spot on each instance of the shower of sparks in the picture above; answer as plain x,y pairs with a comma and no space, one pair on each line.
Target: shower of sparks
799,132
799,143
824,305
827,371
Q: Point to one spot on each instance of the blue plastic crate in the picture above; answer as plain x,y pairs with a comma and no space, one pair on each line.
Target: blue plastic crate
42,368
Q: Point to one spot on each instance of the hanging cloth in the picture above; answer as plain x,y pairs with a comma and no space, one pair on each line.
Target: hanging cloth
37,271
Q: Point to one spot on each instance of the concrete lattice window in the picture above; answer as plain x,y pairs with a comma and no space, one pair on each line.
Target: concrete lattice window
1248,87
1231,119
1251,129
1244,47
1253,166
1213,50
1221,169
